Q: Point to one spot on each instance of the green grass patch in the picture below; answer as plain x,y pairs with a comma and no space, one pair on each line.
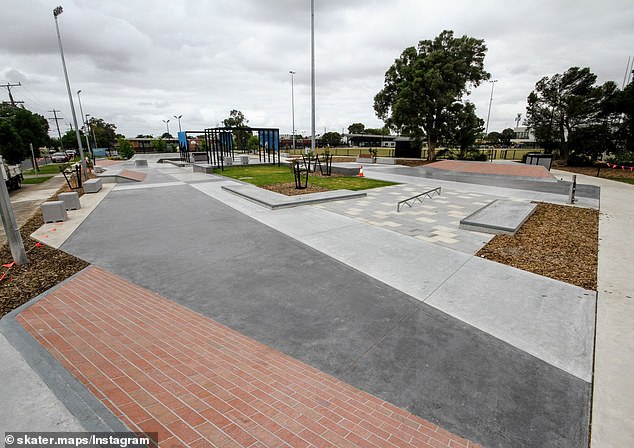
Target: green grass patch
261,175
46,169
627,180
36,180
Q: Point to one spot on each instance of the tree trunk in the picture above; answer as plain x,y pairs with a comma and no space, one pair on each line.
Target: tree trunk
431,150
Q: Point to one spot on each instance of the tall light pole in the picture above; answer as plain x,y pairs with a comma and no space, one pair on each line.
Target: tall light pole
85,126
179,122
167,124
293,102
491,101
56,12
312,74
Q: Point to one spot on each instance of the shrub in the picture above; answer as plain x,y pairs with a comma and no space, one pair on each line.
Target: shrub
125,149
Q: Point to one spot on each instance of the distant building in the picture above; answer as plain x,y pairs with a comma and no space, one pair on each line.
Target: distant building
370,140
524,138
144,145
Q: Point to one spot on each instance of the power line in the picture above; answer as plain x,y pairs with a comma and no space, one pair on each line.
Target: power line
8,87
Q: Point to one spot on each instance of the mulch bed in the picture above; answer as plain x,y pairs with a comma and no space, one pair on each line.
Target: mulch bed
289,189
420,162
557,241
605,172
46,268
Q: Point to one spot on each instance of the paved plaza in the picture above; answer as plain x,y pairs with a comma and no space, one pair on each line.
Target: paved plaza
214,320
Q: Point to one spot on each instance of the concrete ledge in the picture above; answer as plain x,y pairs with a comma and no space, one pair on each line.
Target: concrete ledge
203,168
499,217
274,201
386,160
92,186
140,163
71,200
365,160
198,157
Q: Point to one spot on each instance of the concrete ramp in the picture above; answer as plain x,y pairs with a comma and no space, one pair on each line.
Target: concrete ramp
499,217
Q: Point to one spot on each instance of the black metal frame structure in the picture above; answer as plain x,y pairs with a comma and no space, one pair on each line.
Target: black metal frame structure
220,144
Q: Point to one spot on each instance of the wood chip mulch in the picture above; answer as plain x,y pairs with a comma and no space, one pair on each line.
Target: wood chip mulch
46,268
289,189
557,241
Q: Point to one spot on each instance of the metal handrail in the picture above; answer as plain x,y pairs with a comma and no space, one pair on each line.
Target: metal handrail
413,199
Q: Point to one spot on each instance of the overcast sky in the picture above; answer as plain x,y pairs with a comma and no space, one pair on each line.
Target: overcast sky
139,62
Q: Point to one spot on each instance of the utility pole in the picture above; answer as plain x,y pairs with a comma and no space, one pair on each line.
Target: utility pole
312,75
8,87
57,120
10,224
490,102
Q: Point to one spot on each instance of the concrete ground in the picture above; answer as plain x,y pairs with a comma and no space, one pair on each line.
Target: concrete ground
493,354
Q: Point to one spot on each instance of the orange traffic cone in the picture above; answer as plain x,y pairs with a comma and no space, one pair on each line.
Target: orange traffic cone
361,171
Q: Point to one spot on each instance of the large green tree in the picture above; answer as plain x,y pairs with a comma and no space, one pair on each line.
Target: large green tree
507,135
465,127
105,133
21,127
426,81
236,119
331,139
563,103
356,128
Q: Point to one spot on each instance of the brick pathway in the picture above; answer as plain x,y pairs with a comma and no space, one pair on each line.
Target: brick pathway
504,169
133,175
161,367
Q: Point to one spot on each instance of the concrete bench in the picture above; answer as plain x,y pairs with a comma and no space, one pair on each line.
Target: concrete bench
244,160
228,161
53,211
92,186
203,168
70,200
140,163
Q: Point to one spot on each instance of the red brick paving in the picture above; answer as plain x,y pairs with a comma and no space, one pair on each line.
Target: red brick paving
107,162
132,175
502,169
159,366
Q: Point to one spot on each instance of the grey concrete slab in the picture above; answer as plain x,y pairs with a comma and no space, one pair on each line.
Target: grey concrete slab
549,319
500,217
215,260
276,201
444,371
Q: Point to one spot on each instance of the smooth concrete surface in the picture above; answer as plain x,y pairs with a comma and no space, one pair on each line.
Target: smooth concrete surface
549,319
275,201
27,402
304,303
613,393
557,331
500,217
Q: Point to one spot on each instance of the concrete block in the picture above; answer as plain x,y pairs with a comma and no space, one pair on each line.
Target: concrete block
203,168
53,211
140,163
244,160
365,160
70,200
92,186
228,161
198,157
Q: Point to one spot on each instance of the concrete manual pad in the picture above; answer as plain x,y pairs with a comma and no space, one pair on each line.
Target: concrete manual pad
549,319
500,217
306,304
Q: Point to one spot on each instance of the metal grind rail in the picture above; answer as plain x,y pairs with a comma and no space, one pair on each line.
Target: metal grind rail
418,198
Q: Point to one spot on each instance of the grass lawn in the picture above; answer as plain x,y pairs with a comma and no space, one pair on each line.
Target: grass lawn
46,169
261,175
36,180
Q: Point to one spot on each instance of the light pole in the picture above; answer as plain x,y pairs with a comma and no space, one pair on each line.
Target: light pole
56,12
491,101
167,124
293,102
81,110
312,74
179,122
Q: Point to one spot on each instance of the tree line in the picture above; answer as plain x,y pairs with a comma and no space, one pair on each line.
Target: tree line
425,96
